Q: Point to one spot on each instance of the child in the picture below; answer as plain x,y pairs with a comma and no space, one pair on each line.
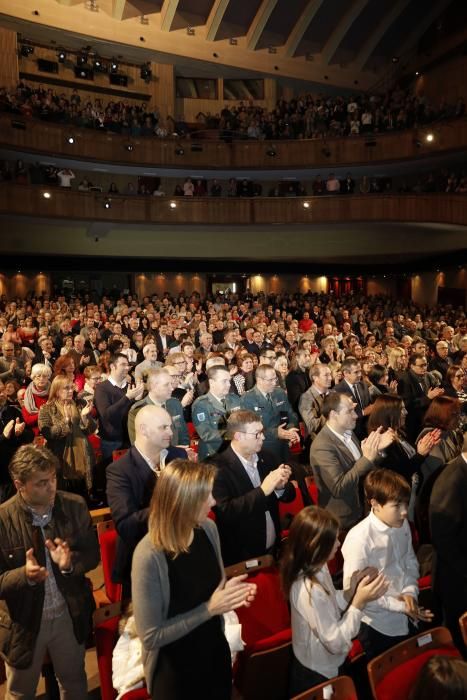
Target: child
383,540
324,621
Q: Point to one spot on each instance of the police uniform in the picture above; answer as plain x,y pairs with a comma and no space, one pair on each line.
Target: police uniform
272,412
210,420
174,408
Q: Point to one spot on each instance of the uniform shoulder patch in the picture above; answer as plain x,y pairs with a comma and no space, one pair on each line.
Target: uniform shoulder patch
201,416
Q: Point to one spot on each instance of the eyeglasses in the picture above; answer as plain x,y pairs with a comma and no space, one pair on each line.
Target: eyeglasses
424,364
257,435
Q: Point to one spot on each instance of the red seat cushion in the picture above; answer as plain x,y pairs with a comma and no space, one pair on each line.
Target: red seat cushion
108,546
398,683
293,507
106,635
269,613
140,694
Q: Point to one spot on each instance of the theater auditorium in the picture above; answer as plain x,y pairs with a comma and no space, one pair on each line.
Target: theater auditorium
233,349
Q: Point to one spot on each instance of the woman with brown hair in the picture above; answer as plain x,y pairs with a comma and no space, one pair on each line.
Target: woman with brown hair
324,621
179,589
443,414
389,414
65,366
441,678
65,428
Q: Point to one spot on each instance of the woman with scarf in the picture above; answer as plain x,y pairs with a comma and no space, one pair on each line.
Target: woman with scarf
65,426
36,395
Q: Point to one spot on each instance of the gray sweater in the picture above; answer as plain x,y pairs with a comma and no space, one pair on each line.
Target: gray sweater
151,598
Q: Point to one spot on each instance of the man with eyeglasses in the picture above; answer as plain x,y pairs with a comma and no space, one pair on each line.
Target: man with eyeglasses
248,485
271,405
417,388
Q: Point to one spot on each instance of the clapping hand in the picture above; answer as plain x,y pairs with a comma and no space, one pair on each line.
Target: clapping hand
34,572
413,611
60,553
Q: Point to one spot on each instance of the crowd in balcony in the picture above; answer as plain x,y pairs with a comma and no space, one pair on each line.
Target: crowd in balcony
305,117
447,181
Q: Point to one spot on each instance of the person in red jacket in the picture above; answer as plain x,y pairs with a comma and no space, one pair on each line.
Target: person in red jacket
36,395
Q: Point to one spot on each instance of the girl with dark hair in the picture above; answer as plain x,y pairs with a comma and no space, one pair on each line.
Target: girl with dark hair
324,621
441,678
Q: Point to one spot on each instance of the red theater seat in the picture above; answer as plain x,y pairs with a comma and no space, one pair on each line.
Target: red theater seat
107,536
342,689
393,674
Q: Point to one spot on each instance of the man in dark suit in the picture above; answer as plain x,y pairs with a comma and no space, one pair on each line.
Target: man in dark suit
353,387
163,340
448,519
339,460
417,390
131,481
248,485
46,355
298,381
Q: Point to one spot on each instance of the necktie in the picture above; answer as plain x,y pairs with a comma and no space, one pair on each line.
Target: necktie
357,396
224,405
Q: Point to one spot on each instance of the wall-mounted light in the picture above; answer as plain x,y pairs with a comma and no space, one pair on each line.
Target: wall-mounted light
61,55
46,195
306,205
107,203
129,147
70,139
173,205
429,138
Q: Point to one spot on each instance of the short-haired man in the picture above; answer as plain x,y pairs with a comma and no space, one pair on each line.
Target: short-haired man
298,379
47,545
113,400
441,361
11,367
352,386
247,487
160,386
271,405
46,354
417,389
149,363
311,402
131,481
339,461
211,411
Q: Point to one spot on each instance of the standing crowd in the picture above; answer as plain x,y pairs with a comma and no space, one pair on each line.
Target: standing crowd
196,420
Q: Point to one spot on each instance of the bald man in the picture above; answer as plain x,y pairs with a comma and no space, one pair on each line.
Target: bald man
131,481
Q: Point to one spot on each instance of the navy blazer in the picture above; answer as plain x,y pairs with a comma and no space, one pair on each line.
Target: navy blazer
343,388
130,483
240,508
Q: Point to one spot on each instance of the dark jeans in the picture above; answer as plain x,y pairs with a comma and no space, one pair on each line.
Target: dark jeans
375,643
303,678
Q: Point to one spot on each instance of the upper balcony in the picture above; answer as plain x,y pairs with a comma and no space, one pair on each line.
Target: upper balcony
43,138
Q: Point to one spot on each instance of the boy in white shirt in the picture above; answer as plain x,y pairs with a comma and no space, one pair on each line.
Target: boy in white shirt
384,540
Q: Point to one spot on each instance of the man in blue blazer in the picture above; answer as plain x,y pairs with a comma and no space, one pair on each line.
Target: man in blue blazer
131,481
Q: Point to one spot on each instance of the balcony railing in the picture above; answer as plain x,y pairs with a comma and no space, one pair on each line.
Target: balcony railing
59,203
35,136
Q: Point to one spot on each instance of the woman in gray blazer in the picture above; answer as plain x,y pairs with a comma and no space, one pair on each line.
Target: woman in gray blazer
180,592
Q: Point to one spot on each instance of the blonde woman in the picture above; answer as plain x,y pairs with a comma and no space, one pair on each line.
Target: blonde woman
179,590
65,428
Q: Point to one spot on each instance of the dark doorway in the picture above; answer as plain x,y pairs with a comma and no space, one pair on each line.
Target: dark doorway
224,284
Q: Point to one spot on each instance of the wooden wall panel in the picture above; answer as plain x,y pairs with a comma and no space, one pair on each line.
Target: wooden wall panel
8,58
71,204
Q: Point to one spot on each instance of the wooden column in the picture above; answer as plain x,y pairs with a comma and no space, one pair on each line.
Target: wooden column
8,58
163,89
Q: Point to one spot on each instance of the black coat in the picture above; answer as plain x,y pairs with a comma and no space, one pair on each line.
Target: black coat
297,382
415,399
343,388
130,483
240,508
448,520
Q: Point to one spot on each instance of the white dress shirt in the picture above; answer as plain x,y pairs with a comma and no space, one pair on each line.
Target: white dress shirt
390,550
350,443
251,469
321,634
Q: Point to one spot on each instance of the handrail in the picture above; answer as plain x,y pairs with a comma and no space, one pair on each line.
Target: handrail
28,200
38,137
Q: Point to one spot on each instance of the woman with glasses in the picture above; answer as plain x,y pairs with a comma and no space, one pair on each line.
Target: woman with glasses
455,385
65,426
